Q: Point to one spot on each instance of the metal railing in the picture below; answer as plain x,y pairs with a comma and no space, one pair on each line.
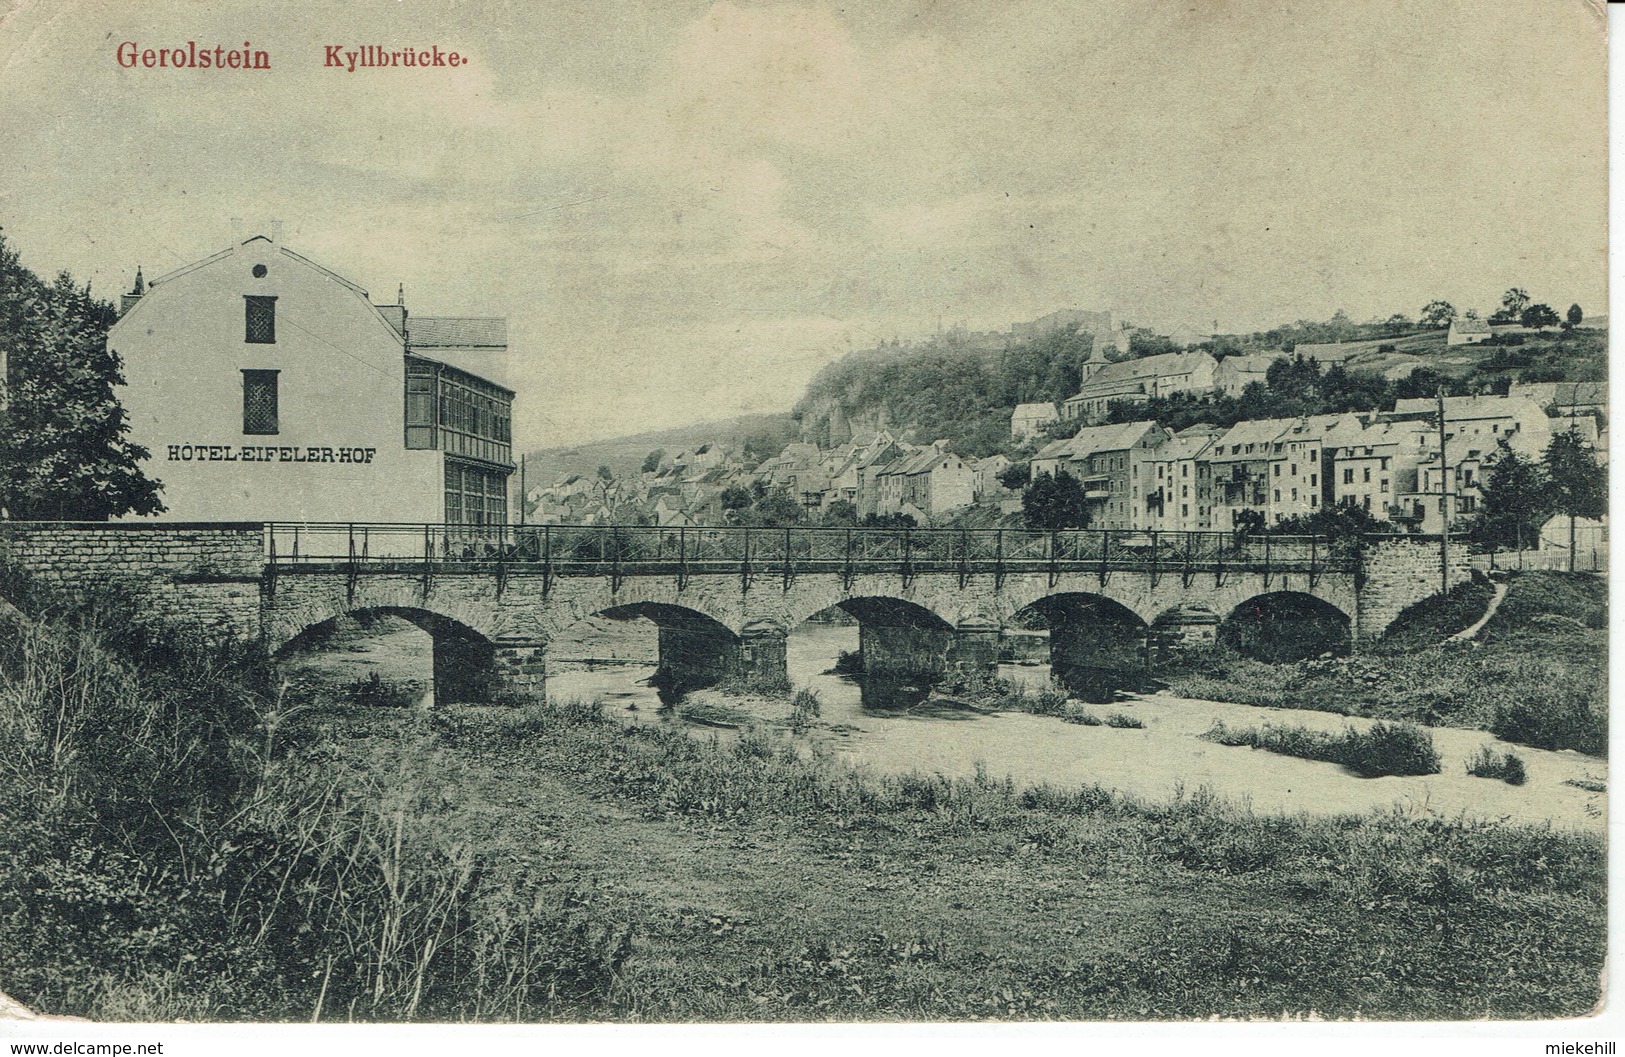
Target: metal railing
622,550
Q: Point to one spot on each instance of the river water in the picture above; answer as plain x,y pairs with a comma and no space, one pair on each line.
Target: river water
1150,763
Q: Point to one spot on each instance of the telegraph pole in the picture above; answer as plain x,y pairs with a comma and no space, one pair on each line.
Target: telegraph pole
1444,504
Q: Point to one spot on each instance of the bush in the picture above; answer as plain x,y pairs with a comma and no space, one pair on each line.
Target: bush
804,709
1075,712
1384,749
1487,763
849,662
1124,721
373,692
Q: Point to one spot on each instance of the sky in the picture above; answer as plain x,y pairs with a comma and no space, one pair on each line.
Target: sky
686,209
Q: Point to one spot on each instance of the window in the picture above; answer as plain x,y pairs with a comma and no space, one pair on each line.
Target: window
1384,485
1383,464
1314,501
1367,501
1277,495
420,418
1277,469
1314,480
1184,469
260,314
259,402
1366,476
1348,475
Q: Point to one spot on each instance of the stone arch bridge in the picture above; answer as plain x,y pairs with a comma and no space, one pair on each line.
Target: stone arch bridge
723,598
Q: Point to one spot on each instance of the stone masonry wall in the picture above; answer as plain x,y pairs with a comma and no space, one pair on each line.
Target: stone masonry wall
1398,574
206,575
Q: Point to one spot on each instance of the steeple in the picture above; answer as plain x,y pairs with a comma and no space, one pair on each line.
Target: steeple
128,301
400,294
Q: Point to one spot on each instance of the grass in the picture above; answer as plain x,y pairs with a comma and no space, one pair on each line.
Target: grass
1535,675
1384,749
1507,766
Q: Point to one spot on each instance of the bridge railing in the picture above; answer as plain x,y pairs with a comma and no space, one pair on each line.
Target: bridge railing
632,548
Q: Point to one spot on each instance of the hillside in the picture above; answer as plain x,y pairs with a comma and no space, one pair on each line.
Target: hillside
624,455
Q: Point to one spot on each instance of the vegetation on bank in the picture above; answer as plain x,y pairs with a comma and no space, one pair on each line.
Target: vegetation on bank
177,839
1384,748
1536,674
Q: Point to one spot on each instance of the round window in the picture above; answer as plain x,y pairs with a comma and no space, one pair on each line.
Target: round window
259,271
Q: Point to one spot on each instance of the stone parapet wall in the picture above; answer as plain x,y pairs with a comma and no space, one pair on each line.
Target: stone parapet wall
1397,574
202,575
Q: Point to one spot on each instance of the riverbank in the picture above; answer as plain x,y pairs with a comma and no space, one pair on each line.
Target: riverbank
1536,674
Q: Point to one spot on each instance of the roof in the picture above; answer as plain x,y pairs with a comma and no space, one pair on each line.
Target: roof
1117,437
456,332
1249,431
1183,446
1463,325
1463,408
1029,410
1254,364
1146,367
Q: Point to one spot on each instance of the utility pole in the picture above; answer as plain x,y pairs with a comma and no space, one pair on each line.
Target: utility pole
522,496
1444,504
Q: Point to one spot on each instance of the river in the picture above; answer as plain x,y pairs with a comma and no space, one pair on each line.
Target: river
1150,763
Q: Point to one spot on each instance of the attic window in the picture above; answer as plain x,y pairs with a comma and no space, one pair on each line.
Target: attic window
260,320
259,271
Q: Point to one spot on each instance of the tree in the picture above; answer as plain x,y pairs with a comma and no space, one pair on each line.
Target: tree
65,456
1513,302
1575,315
1054,502
651,461
1438,314
1575,484
1539,317
605,473
735,498
1514,502
1015,475
841,512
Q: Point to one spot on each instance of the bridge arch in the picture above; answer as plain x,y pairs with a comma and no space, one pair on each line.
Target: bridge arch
1287,626
1094,640
464,657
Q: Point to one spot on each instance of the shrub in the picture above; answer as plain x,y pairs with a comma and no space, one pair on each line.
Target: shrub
374,692
1487,763
804,709
1075,712
1124,721
849,662
1384,749
756,684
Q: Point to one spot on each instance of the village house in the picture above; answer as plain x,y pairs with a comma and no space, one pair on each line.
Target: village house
268,388
1100,457
1240,463
1236,373
1464,331
989,489
1483,421
1173,488
1374,466
1300,463
1135,382
930,482
1028,419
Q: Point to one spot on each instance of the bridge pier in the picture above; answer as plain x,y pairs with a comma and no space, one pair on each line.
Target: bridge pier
975,647
762,653
519,669
904,651
464,669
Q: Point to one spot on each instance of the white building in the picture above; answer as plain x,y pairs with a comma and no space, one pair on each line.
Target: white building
267,388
